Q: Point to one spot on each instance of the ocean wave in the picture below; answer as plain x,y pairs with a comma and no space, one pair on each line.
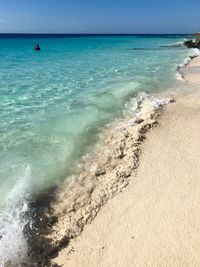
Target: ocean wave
194,52
179,44
176,44
13,220
164,47
185,62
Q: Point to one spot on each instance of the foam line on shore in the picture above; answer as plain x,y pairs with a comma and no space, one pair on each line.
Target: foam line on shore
195,53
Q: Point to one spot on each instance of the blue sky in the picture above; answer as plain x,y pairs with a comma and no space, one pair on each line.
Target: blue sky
99,16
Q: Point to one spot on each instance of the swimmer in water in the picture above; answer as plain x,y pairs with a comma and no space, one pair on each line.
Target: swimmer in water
37,47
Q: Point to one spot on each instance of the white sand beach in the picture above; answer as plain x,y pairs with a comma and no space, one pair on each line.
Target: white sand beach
154,221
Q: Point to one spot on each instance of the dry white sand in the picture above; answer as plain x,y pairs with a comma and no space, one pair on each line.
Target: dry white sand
155,220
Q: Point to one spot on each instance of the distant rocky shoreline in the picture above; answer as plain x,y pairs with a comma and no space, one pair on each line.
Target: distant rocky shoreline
193,43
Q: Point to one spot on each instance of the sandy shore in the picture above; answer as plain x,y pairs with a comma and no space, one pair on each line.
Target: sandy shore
191,73
154,221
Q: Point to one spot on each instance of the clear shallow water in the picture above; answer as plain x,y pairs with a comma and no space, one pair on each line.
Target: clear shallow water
55,101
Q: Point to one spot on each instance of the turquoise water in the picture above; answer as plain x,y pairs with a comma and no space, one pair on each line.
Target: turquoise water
54,102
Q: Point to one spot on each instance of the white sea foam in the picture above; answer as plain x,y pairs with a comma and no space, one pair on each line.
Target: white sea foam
179,43
13,219
179,76
159,102
195,52
133,104
185,62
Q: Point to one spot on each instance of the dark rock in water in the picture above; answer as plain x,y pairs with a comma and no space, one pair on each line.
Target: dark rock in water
192,43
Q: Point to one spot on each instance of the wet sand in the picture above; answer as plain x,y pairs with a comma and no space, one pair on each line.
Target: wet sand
153,220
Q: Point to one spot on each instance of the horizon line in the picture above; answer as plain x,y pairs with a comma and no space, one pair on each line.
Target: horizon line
46,33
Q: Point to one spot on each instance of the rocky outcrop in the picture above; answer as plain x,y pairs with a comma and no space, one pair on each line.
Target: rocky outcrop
193,43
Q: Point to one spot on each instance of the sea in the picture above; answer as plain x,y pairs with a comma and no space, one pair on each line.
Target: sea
54,103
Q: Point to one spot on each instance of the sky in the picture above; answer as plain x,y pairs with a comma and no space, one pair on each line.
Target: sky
99,16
